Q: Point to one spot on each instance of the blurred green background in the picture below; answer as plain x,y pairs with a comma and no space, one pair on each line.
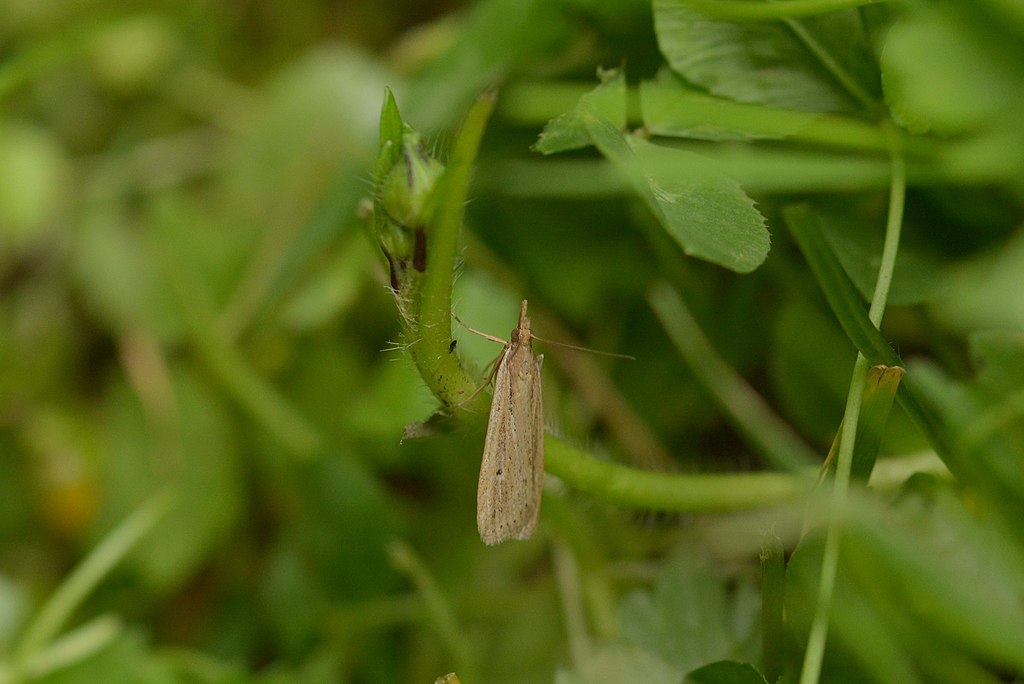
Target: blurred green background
192,306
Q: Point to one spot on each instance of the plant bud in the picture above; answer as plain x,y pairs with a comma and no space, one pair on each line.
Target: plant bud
407,186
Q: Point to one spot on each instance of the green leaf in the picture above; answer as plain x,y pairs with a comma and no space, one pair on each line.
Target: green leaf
495,38
938,76
618,663
687,619
707,213
999,357
198,452
569,132
328,293
846,302
726,672
984,423
296,179
288,580
903,562
984,291
879,394
776,64
809,368
34,184
111,551
670,107
118,276
391,129
127,659
777,171
861,634
346,513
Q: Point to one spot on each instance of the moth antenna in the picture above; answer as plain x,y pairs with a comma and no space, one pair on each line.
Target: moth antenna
492,338
585,349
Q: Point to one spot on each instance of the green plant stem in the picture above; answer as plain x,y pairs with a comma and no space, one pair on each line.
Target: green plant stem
747,411
72,647
84,578
567,574
440,369
893,228
815,653
678,493
774,643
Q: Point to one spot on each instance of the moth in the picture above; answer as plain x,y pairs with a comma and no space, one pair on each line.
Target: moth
512,471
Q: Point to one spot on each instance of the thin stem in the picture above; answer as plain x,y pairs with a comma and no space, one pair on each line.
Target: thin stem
830,560
73,647
84,578
818,636
775,647
440,369
893,228
705,493
567,574
442,242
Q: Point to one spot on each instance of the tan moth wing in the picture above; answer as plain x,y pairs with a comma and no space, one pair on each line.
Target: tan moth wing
512,472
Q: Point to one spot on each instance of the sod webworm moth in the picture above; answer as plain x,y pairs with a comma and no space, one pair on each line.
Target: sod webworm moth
512,470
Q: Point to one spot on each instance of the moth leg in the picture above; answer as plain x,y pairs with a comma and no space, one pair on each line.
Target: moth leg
490,378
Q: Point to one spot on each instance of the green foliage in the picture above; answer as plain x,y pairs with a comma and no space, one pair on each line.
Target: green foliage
240,434
770,63
688,619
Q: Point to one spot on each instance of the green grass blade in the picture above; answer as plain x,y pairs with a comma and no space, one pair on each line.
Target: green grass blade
848,307
89,573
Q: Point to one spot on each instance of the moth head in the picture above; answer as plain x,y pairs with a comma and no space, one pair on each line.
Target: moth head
521,333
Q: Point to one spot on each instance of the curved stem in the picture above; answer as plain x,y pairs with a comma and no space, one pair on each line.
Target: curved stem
678,493
441,369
